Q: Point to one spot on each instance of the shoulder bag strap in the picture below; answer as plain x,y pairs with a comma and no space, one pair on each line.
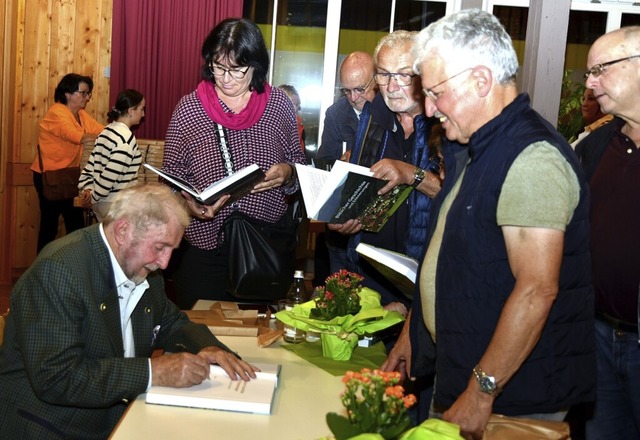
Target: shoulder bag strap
40,160
224,150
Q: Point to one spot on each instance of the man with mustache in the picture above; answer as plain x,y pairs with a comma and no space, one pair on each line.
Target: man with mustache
392,139
86,317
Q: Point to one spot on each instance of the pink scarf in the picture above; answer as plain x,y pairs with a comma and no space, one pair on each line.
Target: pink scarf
208,96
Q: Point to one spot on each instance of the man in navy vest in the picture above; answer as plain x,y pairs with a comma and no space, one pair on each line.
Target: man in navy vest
506,304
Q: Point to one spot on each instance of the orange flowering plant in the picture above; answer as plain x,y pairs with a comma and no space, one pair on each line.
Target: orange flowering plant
375,403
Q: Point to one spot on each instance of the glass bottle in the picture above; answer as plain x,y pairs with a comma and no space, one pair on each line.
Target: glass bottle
297,294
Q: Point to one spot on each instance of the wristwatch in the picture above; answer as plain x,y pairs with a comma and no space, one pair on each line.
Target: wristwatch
487,383
418,176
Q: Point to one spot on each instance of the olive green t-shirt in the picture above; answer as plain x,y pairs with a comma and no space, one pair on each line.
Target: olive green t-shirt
540,190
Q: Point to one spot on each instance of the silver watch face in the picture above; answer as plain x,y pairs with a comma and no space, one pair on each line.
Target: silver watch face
487,384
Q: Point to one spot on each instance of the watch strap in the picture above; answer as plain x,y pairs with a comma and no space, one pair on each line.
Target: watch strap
487,383
418,176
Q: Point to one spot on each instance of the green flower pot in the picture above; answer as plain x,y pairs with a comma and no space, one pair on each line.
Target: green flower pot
339,346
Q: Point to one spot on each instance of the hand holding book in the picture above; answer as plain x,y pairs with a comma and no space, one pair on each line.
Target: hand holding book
348,192
237,185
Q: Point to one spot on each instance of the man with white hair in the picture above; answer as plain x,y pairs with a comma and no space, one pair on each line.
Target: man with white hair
611,160
506,303
392,139
87,316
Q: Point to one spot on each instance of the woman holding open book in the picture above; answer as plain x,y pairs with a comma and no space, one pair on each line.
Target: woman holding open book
232,120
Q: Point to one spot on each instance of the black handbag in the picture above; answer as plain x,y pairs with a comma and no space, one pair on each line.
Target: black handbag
59,184
261,256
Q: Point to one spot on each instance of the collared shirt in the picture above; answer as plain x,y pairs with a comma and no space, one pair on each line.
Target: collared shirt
129,294
615,214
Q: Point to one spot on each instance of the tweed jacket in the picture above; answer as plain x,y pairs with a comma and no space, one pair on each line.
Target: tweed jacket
62,369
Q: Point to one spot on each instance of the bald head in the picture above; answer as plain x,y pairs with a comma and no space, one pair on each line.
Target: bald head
356,74
614,72
357,63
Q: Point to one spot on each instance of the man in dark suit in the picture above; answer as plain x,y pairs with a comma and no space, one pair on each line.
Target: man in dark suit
86,317
339,134
341,120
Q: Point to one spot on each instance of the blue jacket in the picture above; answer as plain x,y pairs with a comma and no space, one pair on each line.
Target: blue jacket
474,279
379,136
340,124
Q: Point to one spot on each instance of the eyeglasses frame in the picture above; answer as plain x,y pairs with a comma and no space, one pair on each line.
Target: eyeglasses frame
433,96
359,91
85,93
599,69
231,71
394,75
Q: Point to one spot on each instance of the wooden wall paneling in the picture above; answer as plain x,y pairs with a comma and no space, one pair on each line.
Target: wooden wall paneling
34,93
13,50
5,8
104,59
45,39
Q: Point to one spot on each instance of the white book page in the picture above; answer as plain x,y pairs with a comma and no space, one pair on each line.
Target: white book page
311,182
226,181
318,185
175,180
400,263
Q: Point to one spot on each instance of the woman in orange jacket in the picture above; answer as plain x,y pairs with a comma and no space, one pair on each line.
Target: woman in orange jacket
65,128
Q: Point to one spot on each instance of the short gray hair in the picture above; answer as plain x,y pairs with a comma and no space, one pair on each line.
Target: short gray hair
393,40
146,205
470,36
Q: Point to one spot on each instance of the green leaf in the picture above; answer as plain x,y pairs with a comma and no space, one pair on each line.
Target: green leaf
341,427
393,431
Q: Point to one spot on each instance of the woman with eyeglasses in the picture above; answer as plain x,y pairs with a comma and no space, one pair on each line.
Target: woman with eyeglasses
233,119
64,130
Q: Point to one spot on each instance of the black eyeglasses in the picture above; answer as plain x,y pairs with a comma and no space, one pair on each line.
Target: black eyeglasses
402,79
356,90
599,69
429,93
235,72
84,93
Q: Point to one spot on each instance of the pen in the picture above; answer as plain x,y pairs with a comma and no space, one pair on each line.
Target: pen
154,336
179,348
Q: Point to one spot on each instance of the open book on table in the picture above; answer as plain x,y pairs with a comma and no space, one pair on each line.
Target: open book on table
237,185
401,269
220,392
347,192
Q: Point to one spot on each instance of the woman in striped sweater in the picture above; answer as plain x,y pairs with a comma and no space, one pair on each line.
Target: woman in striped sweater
115,159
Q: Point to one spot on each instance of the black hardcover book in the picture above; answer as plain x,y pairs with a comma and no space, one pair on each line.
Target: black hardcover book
237,185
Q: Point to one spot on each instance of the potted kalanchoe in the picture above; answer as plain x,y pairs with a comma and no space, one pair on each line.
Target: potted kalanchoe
341,311
375,403
376,409
339,296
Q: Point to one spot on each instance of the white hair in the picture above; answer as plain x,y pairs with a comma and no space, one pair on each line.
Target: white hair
467,38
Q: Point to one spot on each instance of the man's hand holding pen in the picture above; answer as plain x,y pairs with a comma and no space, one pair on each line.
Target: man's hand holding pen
181,370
